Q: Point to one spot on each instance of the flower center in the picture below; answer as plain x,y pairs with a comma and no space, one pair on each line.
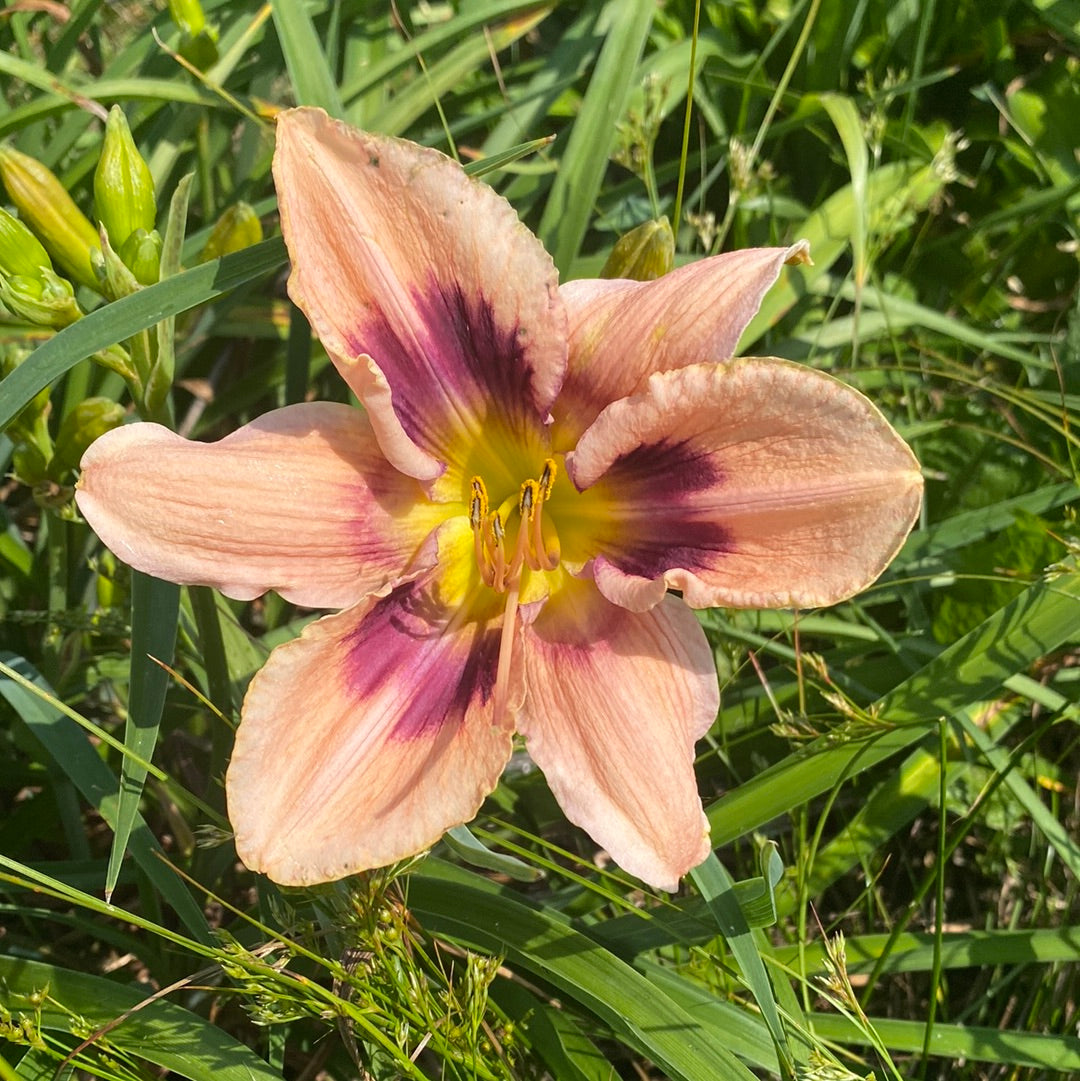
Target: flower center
513,535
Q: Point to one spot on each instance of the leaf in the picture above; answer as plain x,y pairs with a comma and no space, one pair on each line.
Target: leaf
461,840
716,886
155,610
309,70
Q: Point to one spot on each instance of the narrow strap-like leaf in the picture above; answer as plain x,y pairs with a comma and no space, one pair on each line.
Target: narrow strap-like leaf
155,610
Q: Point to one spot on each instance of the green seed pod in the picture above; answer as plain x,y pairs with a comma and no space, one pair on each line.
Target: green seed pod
88,420
643,254
141,253
20,251
239,227
45,206
123,187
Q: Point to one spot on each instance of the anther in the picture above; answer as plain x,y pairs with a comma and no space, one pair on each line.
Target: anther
478,505
547,478
527,499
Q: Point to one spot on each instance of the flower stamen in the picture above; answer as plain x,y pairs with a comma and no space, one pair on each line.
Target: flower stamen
478,512
500,569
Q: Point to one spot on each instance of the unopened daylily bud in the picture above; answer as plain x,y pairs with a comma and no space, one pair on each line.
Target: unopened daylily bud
643,254
123,187
45,299
115,279
20,251
239,227
45,206
141,254
91,418
199,41
28,465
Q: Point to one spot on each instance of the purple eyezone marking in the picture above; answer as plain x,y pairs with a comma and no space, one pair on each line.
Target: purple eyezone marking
664,526
400,642
456,359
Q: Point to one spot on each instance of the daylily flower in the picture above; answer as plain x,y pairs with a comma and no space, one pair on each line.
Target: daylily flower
535,469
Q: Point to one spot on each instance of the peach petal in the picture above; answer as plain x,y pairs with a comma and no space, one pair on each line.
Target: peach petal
623,331
365,739
616,701
759,484
300,501
436,304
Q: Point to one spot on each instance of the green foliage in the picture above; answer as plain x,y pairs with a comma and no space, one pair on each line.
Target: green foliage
901,769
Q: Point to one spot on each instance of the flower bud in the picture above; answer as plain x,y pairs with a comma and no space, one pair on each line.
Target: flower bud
115,279
643,254
141,254
46,299
239,227
28,465
198,42
123,186
45,206
20,251
91,418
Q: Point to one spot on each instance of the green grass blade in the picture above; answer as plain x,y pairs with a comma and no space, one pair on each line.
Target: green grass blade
309,70
470,18
959,949
442,77
570,203
961,1042
155,609
891,191
116,322
159,1032
1043,820
744,1033
569,1054
849,127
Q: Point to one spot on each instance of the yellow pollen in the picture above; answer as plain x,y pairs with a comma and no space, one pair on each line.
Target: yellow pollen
547,478
499,567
